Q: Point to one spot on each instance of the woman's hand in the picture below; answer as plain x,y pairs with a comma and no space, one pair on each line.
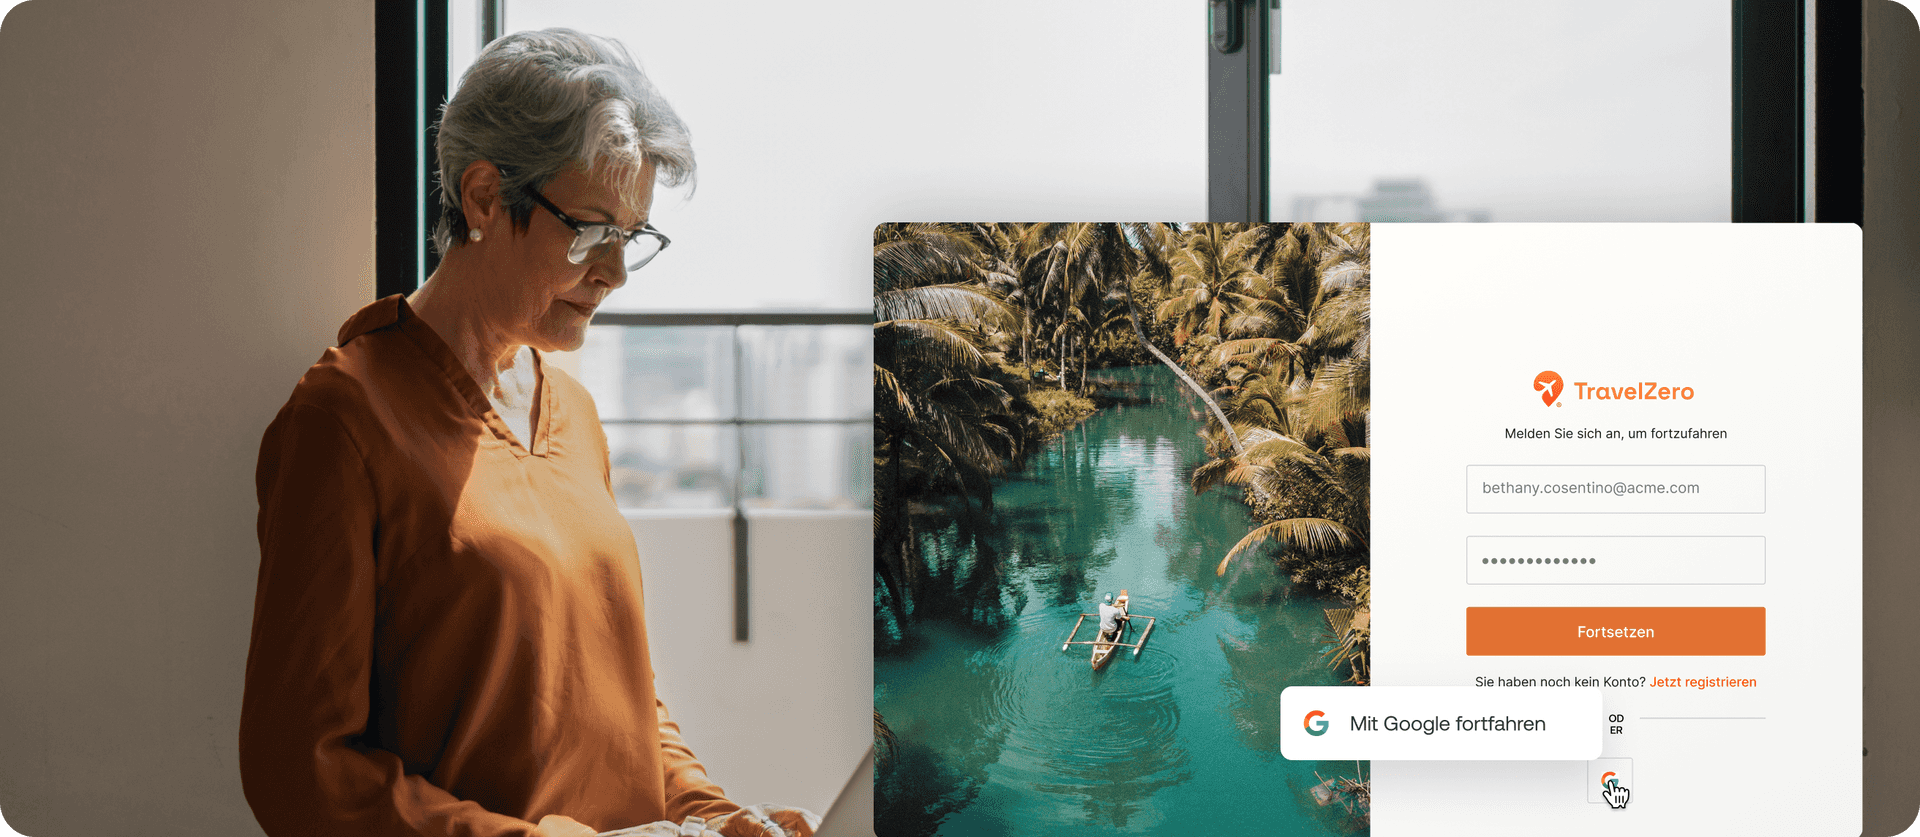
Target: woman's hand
753,821
554,825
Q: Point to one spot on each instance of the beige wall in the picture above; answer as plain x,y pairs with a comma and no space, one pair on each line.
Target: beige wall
188,216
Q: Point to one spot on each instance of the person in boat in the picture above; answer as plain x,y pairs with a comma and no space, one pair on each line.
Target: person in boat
1113,614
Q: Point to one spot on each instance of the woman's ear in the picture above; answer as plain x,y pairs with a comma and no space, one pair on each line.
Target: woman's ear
480,196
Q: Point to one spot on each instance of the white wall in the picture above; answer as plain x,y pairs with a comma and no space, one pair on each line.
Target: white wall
786,716
188,217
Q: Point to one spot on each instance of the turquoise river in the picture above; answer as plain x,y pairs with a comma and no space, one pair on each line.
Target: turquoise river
1002,733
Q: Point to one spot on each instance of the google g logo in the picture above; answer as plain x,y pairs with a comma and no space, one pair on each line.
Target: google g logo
1316,722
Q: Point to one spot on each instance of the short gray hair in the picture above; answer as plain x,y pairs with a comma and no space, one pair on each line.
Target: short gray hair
535,103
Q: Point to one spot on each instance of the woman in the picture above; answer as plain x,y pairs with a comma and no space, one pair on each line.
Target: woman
448,631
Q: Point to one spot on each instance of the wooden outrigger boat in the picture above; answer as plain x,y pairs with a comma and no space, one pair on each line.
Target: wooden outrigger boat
1104,643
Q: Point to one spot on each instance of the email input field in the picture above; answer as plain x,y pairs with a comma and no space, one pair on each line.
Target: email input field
1616,489
1622,559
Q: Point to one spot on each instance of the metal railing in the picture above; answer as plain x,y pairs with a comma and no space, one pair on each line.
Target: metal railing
736,319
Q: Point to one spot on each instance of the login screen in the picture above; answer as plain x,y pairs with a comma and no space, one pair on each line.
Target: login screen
1617,462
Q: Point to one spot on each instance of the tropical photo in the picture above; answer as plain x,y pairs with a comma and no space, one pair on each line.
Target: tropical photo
1120,503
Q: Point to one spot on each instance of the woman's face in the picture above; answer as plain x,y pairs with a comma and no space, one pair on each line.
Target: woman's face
547,300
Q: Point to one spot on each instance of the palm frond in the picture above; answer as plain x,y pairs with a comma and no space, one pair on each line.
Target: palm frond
1213,473
1312,535
910,255
933,302
924,342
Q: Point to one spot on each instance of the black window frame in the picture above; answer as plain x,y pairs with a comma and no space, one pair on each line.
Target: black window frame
409,84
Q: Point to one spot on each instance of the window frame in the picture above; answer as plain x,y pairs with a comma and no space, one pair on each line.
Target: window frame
1770,125
410,82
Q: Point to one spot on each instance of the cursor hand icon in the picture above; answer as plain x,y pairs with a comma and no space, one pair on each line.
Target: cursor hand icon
1615,795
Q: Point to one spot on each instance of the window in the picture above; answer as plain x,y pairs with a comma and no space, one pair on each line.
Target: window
1389,110
1500,111
722,383
767,410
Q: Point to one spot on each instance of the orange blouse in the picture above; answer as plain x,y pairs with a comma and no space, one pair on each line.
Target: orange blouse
448,633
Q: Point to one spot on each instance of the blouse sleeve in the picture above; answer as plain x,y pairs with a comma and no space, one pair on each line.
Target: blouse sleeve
304,763
689,792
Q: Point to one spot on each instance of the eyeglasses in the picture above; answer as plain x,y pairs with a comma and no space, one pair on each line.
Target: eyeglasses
592,241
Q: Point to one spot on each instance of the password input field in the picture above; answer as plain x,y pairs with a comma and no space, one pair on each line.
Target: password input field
1616,559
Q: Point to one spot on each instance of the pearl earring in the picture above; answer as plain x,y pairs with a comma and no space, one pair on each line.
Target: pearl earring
474,234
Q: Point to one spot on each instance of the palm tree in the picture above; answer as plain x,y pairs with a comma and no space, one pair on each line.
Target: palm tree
1351,631
1316,500
1153,243
999,271
937,422
1298,388
937,411
1216,285
1073,267
915,255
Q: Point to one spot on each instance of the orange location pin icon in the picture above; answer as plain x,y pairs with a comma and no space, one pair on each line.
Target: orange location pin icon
1548,385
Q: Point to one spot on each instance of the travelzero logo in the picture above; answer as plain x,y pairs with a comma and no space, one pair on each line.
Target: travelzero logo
1316,722
1549,385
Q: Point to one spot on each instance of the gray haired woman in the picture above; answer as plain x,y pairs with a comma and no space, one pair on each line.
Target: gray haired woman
448,632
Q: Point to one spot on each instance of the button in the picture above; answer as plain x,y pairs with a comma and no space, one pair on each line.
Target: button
1429,723
1602,771
1616,631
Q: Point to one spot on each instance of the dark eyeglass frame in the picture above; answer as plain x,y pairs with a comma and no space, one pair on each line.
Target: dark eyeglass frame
614,233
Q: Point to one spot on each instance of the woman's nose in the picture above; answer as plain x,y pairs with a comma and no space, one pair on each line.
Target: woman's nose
611,268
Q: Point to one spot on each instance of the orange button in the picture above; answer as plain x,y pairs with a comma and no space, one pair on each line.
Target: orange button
1616,631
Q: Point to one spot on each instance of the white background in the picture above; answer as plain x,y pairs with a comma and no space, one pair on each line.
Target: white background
1763,322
